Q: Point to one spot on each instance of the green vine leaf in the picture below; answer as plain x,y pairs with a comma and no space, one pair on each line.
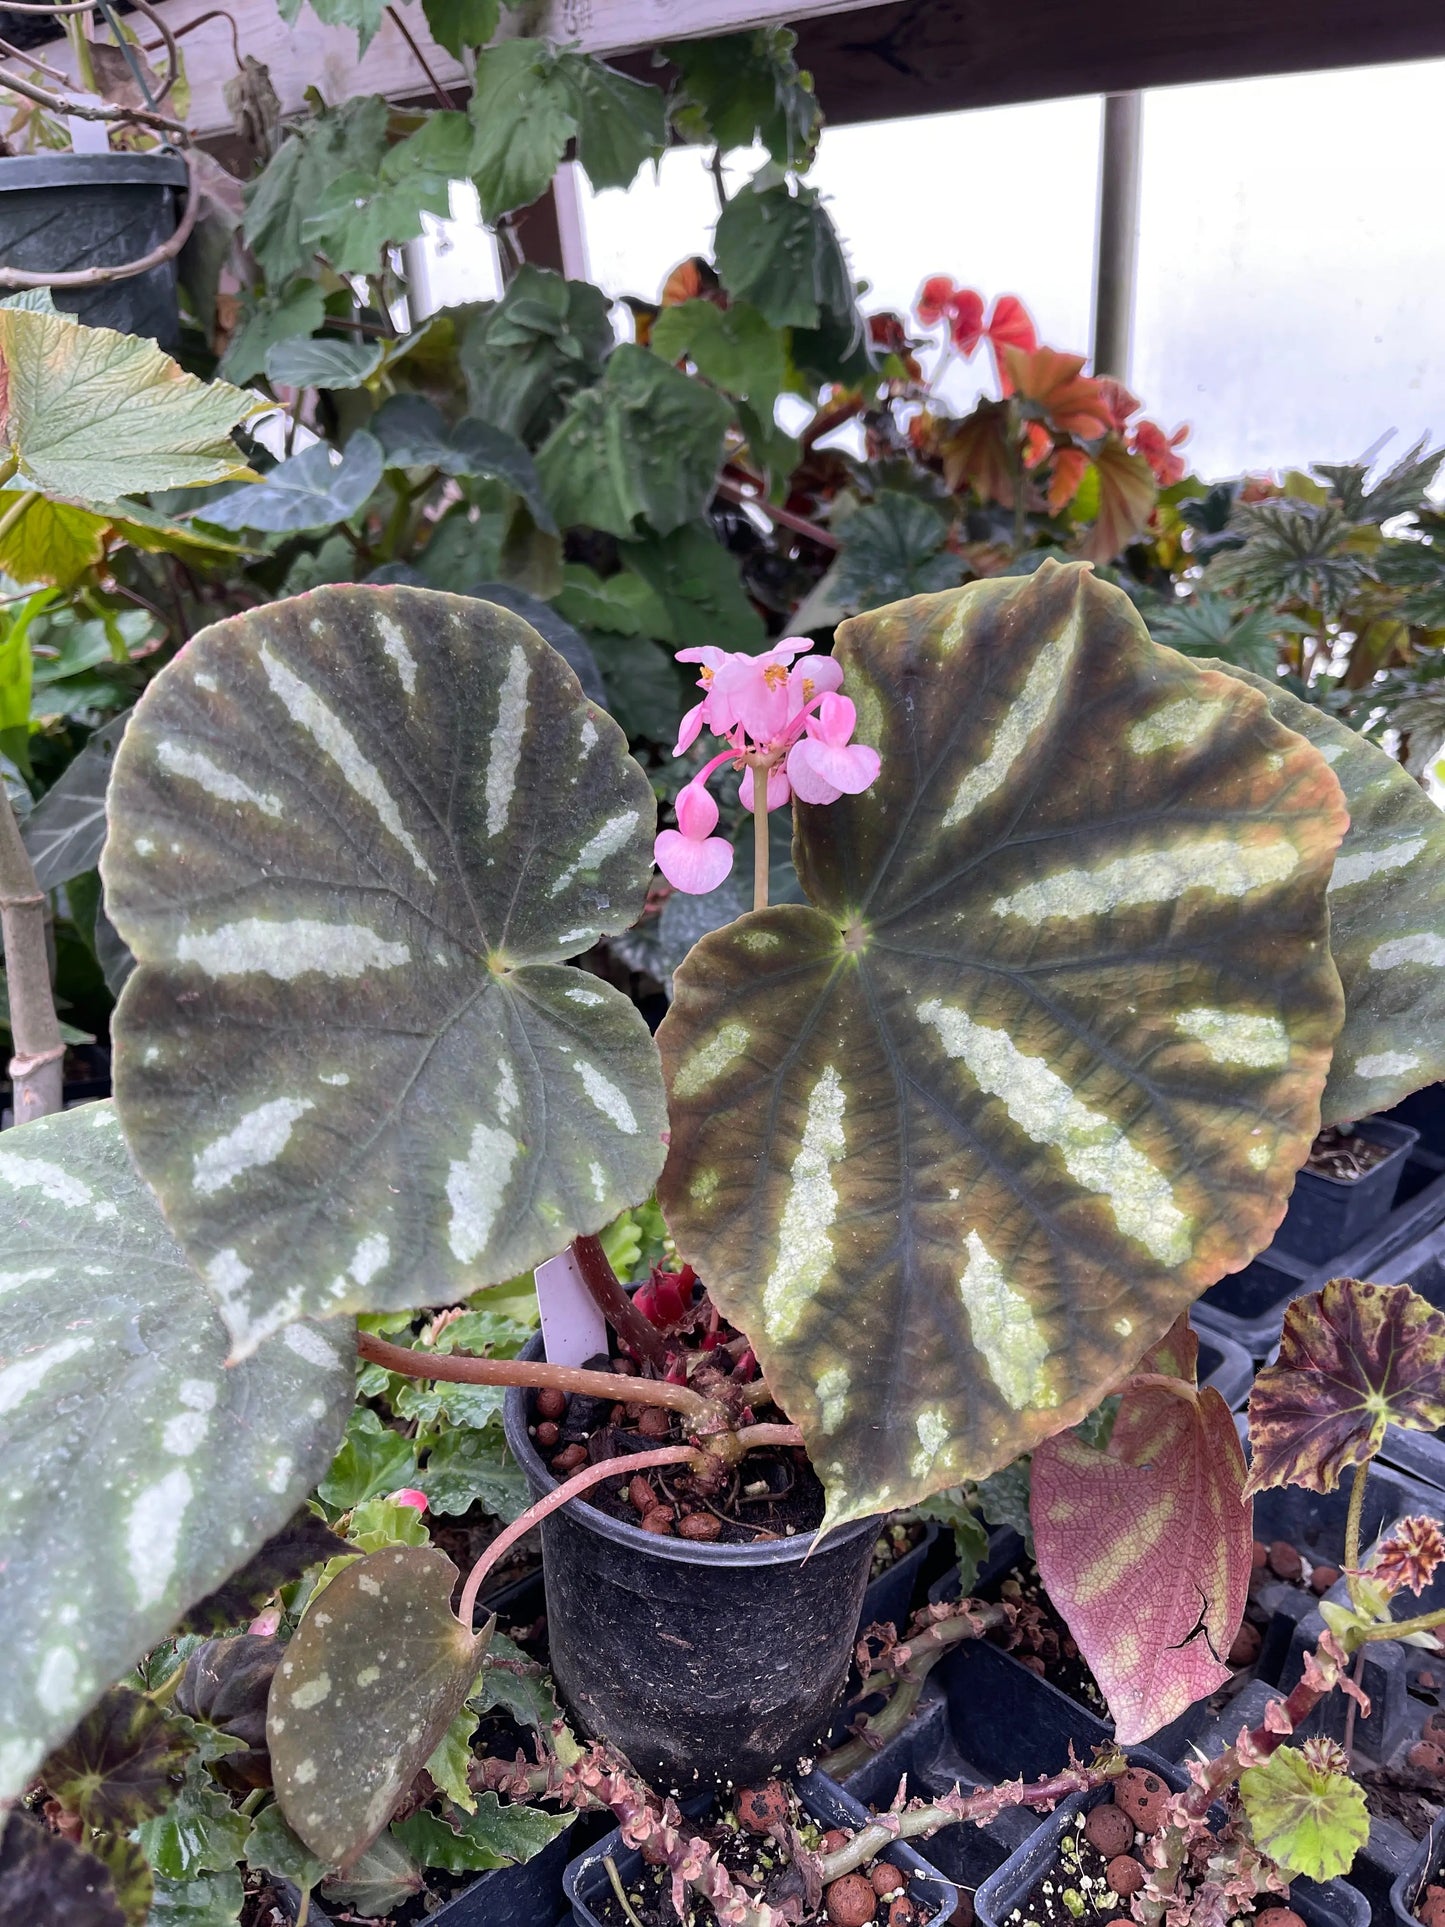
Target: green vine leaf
621,122
733,347
645,444
135,1506
527,354
456,24
741,87
493,1836
1353,1358
1037,1062
359,214
1309,1821
522,110
778,249
359,895
1387,917
377,1671
335,142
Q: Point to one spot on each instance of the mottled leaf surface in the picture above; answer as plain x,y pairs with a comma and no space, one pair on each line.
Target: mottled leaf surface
352,836
121,1765
1144,1548
1387,917
378,1669
47,1882
1353,1358
126,1503
1308,1820
961,1137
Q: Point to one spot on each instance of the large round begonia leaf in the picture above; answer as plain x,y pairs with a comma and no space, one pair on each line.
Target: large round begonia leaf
1387,917
352,836
957,1141
139,1472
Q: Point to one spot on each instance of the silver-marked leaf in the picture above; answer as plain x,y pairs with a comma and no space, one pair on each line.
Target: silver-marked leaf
66,829
1387,917
351,836
140,1472
379,1667
572,647
308,491
958,1139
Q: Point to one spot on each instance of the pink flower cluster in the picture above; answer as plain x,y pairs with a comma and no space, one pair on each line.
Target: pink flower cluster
777,715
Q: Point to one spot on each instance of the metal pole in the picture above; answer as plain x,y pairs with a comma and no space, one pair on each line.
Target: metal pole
1116,254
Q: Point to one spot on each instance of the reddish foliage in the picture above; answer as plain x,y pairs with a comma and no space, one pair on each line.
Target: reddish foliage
1353,1358
1144,1547
1410,1555
1157,449
1073,402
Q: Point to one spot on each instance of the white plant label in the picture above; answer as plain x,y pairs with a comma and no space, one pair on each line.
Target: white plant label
572,1327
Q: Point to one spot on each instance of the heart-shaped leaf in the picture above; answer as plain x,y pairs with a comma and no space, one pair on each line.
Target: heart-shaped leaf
1038,1067
351,834
379,1667
1144,1548
1353,1358
1309,1820
1387,917
308,491
126,1503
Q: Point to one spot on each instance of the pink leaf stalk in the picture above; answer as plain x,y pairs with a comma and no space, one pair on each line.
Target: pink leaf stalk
777,715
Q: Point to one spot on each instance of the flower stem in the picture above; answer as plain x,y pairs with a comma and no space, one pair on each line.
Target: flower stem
760,838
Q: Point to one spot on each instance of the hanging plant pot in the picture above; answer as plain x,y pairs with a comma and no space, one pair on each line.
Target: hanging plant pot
60,213
698,1661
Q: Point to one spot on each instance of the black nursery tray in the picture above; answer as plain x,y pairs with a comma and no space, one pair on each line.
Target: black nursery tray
1249,1305
1427,1863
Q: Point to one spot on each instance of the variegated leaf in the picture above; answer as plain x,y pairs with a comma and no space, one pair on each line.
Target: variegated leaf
1144,1547
378,1669
1387,917
351,837
138,1472
1353,1358
961,1140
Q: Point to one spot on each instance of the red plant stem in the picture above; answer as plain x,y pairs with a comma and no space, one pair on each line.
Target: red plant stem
1260,1743
461,1368
572,1488
639,1334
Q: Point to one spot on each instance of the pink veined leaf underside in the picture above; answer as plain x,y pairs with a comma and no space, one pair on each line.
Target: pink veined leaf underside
1144,1545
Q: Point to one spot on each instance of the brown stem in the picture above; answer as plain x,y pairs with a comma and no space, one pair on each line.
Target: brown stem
443,98
571,1488
85,110
605,1289
36,1069
784,518
461,1368
123,270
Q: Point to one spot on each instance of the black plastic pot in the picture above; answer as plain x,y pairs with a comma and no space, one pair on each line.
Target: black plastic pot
61,212
586,1879
1329,1903
1249,1305
1327,1215
1410,1885
699,1662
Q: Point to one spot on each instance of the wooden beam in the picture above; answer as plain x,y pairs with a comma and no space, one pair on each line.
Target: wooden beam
309,54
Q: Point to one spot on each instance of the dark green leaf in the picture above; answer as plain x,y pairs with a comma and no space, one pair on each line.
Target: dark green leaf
504,829
359,214
47,1882
779,250
456,24
362,16
223,1688
734,347
334,142
621,122
307,491
207,1900
383,1879
122,1764
1004,1498
303,1541
138,1503
621,604
348,1734
200,1832
697,582
645,444
1209,624
526,355
1401,490
493,1836
551,627
373,1459
467,1467
300,311
66,829
1042,1061
524,115
273,1848
527,1697
746,87
1387,917
645,690
414,434
892,548
322,361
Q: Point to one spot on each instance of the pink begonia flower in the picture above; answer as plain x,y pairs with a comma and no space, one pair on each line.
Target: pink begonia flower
823,765
408,1495
691,857
769,709
266,1624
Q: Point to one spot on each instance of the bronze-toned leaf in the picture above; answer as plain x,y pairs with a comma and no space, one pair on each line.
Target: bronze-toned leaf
959,1139
353,836
1353,1358
45,1881
369,1685
122,1763
1387,917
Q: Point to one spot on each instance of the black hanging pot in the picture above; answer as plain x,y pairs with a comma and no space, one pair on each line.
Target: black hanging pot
64,212
700,1662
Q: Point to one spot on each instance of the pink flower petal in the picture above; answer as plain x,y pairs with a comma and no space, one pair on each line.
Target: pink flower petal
835,720
696,812
780,790
808,785
753,691
709,657
690,728
691,866
847,769
266,1624
408,1495
809,679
